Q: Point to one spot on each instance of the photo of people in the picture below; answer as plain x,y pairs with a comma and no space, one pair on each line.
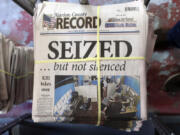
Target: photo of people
76,98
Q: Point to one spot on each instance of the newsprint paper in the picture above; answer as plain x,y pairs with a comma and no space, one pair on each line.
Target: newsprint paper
89,73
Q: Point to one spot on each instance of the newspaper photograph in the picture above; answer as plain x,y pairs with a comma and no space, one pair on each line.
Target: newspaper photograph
77,95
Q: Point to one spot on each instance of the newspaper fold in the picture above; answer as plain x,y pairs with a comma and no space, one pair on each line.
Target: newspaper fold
16,74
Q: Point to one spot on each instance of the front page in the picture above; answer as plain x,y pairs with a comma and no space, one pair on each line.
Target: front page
90,73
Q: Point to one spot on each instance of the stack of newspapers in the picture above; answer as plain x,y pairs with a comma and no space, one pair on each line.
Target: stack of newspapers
90,63
16,74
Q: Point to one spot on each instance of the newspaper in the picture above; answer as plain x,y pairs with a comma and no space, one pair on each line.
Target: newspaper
90,63
16,74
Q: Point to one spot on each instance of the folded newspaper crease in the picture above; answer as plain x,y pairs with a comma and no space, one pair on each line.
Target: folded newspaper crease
89,63
16,74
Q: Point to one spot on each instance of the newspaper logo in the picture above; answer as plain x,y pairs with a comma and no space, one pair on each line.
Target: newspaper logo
49,22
